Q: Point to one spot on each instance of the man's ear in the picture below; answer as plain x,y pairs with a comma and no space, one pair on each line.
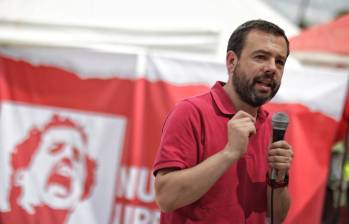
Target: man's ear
231,60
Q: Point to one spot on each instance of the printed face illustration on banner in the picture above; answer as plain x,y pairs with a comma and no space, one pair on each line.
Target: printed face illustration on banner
54,164
68,175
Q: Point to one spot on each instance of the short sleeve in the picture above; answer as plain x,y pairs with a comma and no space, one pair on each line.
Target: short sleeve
181,138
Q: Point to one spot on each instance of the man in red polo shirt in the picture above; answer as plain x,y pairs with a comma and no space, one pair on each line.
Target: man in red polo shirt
215,149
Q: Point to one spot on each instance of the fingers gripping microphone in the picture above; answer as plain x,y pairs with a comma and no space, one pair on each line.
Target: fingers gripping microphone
279,123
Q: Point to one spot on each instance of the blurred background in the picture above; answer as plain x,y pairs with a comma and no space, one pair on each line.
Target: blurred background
306,13
86,85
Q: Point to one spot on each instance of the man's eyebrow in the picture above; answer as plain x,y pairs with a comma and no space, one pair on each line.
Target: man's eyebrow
56,147
261,52
268,53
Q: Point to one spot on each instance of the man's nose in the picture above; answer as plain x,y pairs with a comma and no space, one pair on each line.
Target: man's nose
68,150
67,161
71,151
270,67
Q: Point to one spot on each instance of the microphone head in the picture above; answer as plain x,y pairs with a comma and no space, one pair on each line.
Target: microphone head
280,121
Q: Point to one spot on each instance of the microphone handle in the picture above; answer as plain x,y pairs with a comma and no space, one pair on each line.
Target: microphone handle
278,134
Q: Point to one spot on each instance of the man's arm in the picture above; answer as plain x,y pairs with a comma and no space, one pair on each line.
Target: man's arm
280,158
281,203
178,188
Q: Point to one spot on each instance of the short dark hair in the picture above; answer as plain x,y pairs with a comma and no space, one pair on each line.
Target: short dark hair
237,39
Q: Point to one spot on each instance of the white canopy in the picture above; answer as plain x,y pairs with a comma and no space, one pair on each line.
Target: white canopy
190,26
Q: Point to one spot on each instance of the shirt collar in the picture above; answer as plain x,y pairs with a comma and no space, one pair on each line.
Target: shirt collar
222,99
224,104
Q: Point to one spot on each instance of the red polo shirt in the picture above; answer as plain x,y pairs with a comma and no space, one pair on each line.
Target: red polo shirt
197,129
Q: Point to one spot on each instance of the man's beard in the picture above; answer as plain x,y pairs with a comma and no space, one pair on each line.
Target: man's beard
246,90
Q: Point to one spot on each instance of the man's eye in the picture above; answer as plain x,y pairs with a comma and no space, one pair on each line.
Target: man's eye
55,148
260,56
280,62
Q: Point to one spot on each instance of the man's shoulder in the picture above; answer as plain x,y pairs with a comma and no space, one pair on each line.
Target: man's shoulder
198,101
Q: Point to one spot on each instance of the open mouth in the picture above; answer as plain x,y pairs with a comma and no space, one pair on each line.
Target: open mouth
60,177
264,85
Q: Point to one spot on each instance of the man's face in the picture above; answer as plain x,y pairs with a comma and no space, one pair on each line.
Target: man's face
258,72
60,185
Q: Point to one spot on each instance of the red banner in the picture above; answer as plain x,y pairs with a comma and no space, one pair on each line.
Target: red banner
80,150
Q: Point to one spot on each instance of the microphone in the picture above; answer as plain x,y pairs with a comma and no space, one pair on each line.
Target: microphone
279,124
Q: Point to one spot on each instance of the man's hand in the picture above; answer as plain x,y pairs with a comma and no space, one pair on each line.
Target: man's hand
240,127
280,156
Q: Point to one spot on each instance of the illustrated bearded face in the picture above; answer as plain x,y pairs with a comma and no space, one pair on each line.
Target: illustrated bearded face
60,184
257,90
